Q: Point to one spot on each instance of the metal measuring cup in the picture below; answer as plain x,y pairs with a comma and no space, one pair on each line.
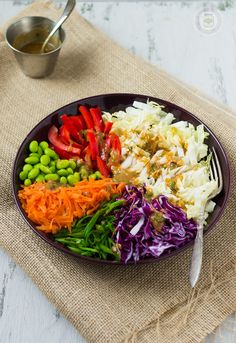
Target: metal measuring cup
28,30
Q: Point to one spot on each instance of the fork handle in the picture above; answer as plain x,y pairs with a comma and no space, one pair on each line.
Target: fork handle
196,262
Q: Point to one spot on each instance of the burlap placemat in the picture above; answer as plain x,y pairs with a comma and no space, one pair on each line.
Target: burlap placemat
148,303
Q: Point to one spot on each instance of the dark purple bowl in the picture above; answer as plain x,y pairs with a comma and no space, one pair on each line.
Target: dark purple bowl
111,103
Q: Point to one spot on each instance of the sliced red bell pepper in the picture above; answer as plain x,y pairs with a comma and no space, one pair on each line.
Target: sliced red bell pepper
71,128
102,167
97,118
78,122
87,117
93,144
65,135
108,126
62,153
56,141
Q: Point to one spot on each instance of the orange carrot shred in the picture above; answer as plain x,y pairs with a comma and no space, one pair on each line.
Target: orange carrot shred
53,209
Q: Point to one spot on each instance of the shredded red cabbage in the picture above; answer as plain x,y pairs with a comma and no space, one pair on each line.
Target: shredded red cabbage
136,231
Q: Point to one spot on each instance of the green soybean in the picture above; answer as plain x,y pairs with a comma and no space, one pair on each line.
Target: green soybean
33,147
72,164
27,182
45,160
72,179
52,169
40,151
98,175
27,167
70,171
62,164
77,175
49,152
83,173
92,176
43,145
62,172
63,179
34,154
52,164
44,169
40,178
32,160
23,175
33,173
51,177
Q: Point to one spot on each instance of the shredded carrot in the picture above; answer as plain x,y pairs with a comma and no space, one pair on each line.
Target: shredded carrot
54,209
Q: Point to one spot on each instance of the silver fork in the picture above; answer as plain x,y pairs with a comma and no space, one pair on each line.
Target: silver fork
196,262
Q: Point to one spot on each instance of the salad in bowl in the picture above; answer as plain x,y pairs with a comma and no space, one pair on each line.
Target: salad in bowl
124,184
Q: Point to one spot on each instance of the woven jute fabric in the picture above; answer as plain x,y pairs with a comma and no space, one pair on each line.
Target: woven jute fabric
111,304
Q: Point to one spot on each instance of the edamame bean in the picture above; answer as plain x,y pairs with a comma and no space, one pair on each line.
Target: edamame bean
62,172
52,169
83,173
45,160
62,164
34,154
27,167
50,153
77,175
23,175
33,173
32,160
72,180
40,178
27,182
43,145
98,175
44,169
40,151
72,164
33,147
52,164
63,179
69,171
51,177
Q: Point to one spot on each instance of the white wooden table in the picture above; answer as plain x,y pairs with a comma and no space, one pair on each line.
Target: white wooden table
193,40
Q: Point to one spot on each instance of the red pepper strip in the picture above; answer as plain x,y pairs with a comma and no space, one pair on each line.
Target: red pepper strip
87,117
65,135
108,126
116,148
97,118
87,156
71,128
78,122
55,140
63,154
65,138
102,167
93,144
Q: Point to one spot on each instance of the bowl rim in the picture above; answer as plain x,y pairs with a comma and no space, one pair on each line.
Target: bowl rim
62,248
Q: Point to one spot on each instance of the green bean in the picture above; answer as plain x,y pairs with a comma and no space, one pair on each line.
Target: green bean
43,145
40,178
33,147
27,167
63,179
23,175
44,169
45,160
27,182
49,152
62,164
72,164
62,172
51,177
33,173
32,160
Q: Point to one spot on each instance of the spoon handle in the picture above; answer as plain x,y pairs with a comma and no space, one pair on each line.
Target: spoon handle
67,11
